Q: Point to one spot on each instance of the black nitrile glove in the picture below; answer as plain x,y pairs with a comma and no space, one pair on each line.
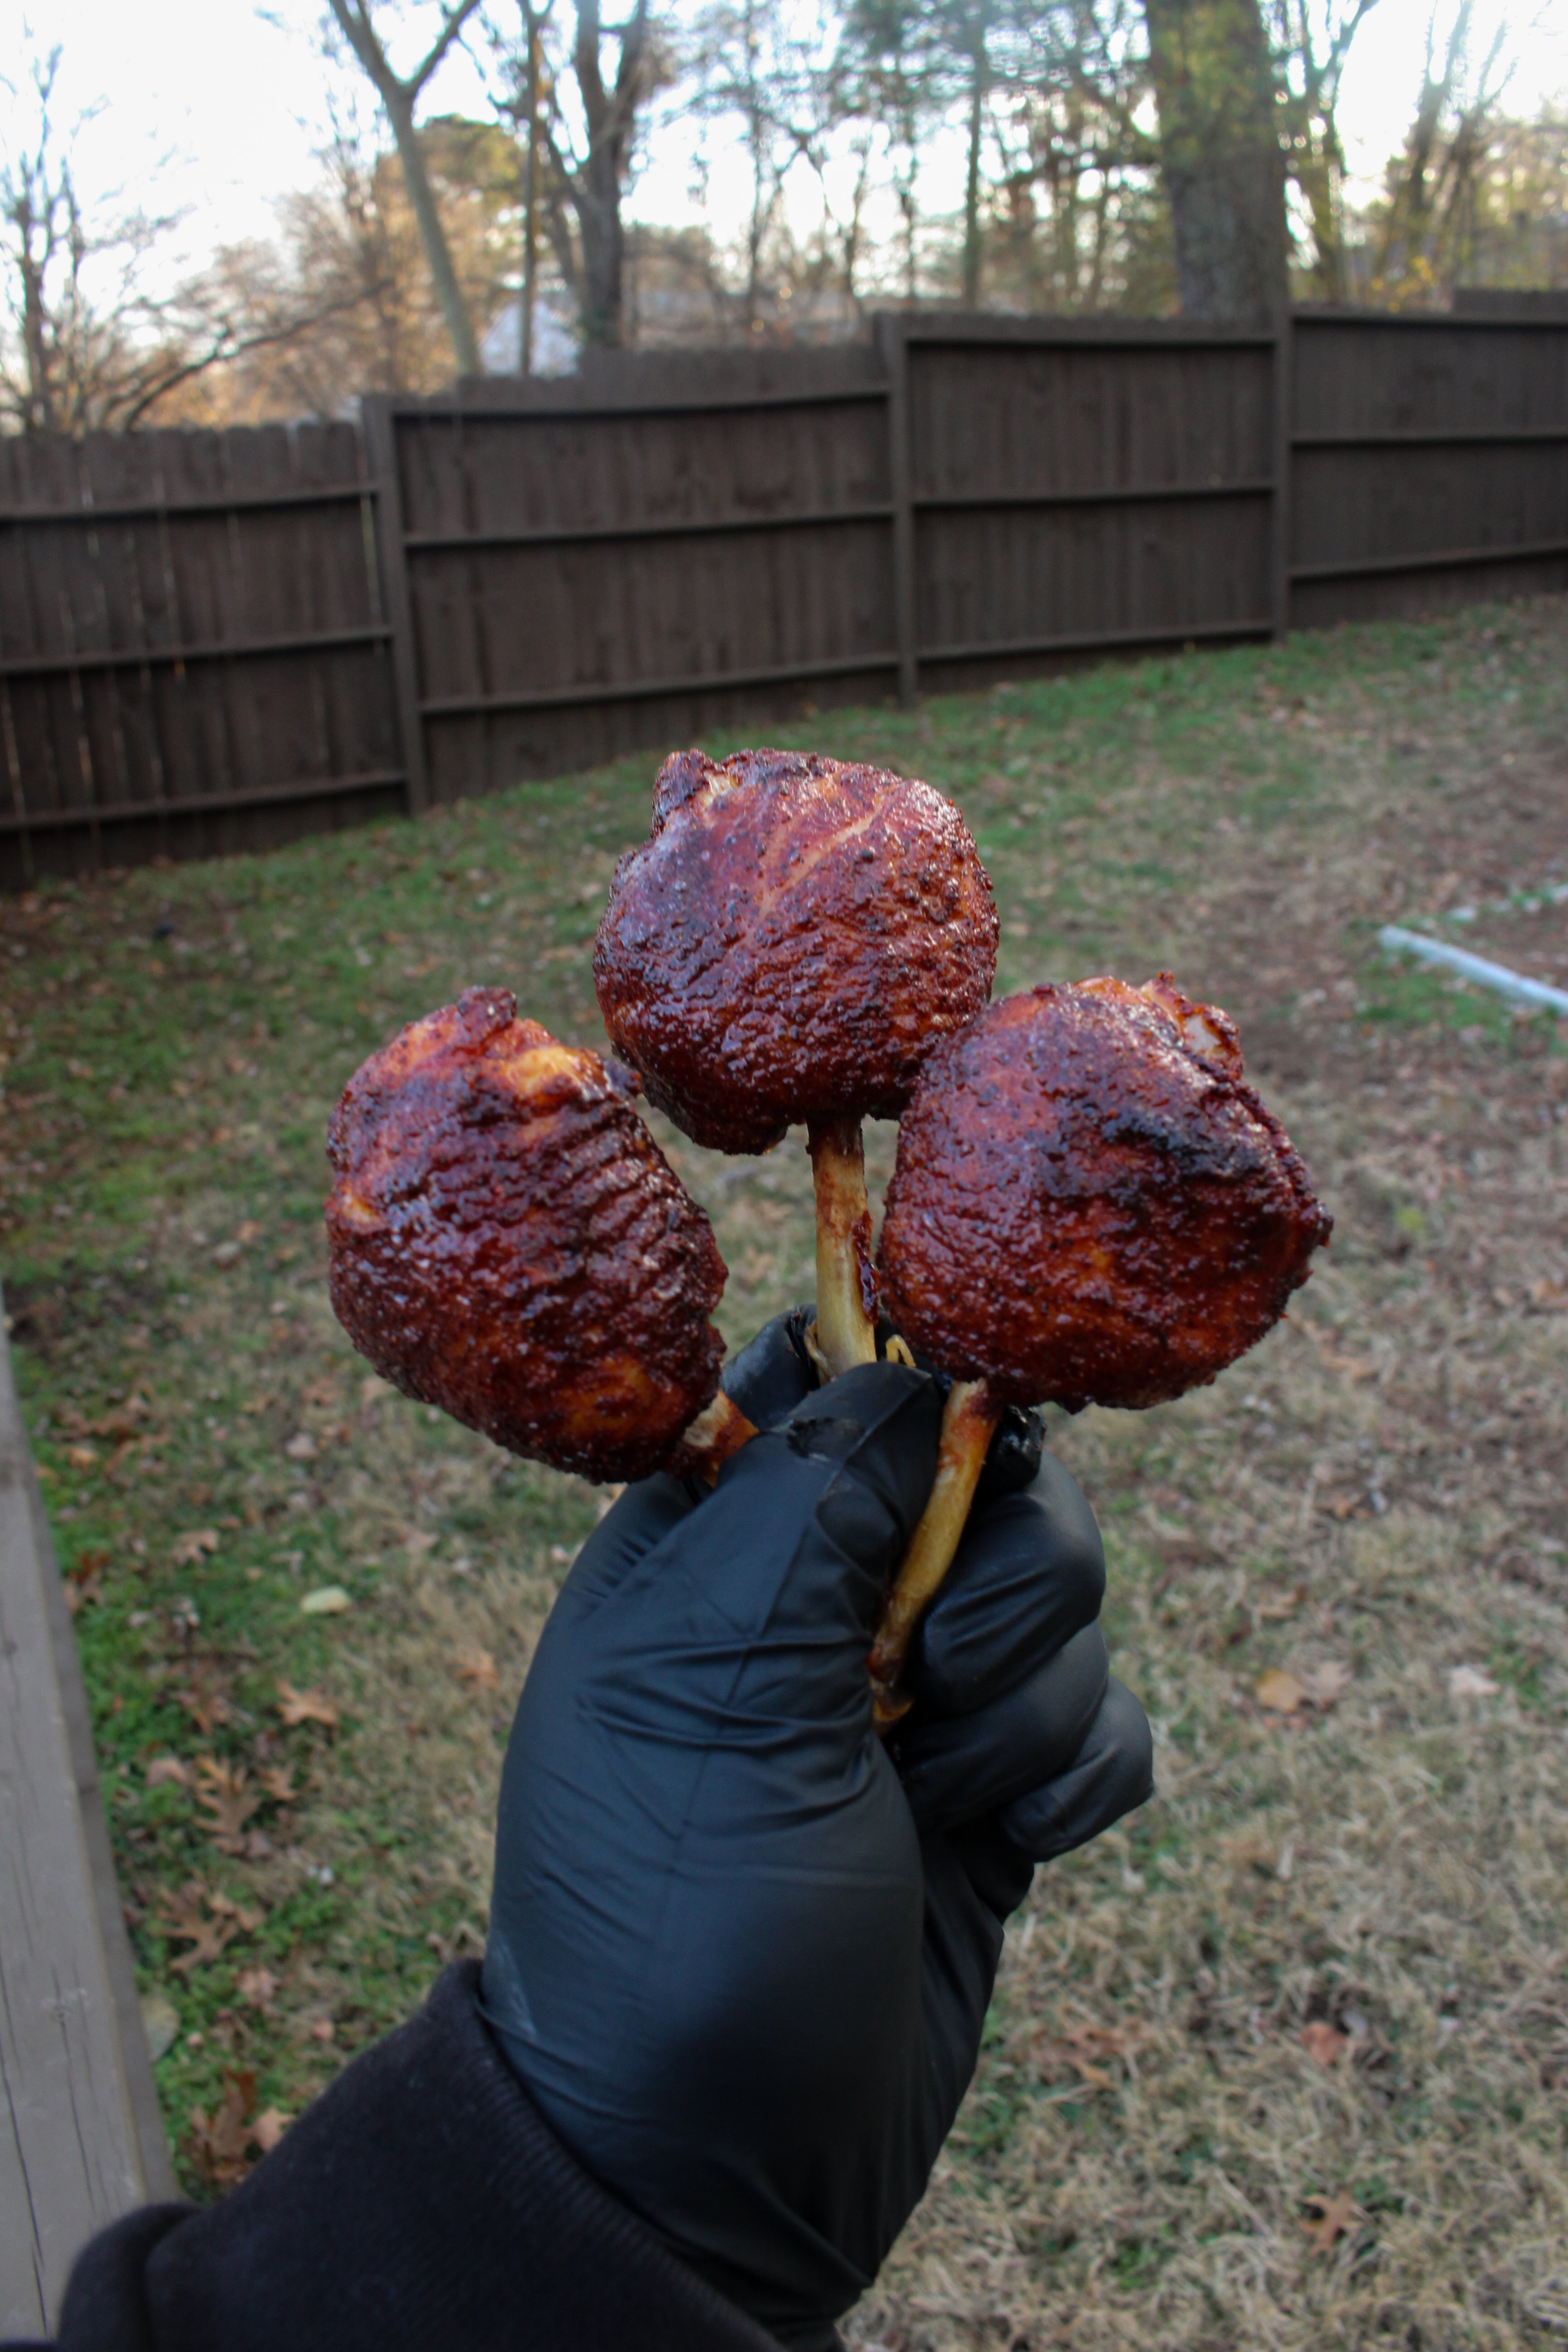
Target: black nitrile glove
741,1949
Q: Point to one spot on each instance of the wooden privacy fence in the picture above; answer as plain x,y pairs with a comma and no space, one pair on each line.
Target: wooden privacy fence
211,640
193,645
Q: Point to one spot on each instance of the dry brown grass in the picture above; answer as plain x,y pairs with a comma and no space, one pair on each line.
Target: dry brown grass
1371,1501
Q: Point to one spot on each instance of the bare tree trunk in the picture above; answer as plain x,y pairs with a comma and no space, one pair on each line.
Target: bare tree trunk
399,97
757,137
972,177
596,182
604,251
41,415
433,237
530,195
1223,171
852,234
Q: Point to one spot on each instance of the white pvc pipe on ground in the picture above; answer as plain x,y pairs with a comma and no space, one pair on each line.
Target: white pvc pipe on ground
1474,967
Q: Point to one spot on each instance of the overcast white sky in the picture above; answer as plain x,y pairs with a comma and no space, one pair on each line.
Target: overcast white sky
235,102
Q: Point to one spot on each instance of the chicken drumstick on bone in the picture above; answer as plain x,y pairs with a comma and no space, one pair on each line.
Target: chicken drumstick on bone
789,943
1090,1206
507,1241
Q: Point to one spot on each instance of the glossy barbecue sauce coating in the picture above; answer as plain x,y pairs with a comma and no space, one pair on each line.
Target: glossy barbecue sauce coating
789,942
508,1242
1090,1206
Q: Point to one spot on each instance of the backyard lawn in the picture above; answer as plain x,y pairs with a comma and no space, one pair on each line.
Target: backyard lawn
1281,2062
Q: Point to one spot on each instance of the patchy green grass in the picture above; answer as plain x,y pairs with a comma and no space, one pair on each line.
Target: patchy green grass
1327,1962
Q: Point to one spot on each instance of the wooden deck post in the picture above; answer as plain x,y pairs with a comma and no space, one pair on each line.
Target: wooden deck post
80,2139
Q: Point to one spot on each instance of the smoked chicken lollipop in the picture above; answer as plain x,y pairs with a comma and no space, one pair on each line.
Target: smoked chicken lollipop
788,945
1090,1206
507,1241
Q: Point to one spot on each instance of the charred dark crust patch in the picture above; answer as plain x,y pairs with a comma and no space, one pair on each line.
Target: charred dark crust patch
790,942
1087,1210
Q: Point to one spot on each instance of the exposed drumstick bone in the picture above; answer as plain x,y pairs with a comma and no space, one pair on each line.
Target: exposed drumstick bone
969,1422
720,1430
845,1330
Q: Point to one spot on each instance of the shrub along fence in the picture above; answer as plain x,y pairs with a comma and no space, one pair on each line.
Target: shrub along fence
217,640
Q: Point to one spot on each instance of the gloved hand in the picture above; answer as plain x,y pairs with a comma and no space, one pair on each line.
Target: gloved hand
741,1949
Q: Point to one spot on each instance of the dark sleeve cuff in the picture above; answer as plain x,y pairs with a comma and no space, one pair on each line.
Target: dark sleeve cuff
422,2201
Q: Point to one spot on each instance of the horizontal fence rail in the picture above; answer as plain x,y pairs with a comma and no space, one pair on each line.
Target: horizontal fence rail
214,640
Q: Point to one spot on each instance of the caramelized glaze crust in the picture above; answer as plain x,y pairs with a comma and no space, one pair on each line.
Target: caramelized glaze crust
1090,1208
790,941
508,1242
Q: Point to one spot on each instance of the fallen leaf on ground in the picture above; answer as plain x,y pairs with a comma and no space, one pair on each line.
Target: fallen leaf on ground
159,2024
227,1801
1280,1693
256,1987
1324,2042
1249,1852
120,1423
269,2128
187,1550
205,1700
323,2030
475,1668
301,1446
1272,1605
1323,1684
1469,1681
219,2148
305,1706
326,1601
180,1918
168,1767
278,1779
248,1920
1335,2215
1089,2047
81,1457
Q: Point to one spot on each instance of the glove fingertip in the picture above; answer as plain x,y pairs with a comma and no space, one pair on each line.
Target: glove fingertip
772,1373
1111,1775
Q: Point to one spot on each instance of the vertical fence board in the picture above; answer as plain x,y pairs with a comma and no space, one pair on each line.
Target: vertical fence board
383,453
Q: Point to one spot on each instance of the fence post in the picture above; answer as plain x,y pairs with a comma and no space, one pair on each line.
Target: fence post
895,350
379,428
1283,469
